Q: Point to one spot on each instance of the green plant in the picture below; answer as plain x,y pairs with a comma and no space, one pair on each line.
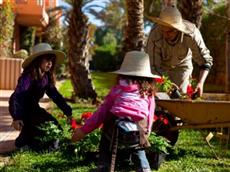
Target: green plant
53,34
89,144
159,144
51,132
22,54
163,84
105,58
27,40
6,28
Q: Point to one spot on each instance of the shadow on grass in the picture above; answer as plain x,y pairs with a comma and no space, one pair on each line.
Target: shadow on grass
180,153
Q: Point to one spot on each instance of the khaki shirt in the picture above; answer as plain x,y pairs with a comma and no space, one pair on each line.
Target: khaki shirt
175,60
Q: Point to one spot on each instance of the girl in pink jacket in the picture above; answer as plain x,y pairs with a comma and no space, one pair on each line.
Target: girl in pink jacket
133,98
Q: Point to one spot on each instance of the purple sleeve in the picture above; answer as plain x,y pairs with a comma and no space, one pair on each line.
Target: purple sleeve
151,112
58,99
101,114
16,102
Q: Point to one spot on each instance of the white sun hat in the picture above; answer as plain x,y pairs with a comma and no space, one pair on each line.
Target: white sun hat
42,49
171,17
136,63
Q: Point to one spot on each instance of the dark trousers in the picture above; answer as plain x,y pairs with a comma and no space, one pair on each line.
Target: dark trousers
31,133
105,154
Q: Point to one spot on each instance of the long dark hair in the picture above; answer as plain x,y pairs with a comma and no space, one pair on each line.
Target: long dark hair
33,68
146,84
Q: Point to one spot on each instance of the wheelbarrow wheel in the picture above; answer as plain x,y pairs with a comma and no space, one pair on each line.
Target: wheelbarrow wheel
163,122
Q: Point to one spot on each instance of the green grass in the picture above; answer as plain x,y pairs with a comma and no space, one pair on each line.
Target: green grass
102,82
190,154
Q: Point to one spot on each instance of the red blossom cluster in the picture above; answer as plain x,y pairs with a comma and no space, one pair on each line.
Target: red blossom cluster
74,124
162,119
164,84
159,80
84,116
190,90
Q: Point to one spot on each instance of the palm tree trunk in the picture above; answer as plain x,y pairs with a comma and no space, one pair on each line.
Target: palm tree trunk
134,29
79,53
191,10
227,51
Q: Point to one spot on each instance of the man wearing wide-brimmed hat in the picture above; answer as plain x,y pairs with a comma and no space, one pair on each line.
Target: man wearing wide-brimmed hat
172,45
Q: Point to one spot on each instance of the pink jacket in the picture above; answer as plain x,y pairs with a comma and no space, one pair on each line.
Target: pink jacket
123,100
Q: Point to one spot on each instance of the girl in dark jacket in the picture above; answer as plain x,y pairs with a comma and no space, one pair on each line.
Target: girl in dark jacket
36,80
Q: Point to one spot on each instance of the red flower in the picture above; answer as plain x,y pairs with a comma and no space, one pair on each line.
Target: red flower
159,80
86,115
73,123
155,117
189,90
161,118
166,121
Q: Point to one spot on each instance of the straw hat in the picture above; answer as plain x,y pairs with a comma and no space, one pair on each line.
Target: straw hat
171,17
42,49
136,63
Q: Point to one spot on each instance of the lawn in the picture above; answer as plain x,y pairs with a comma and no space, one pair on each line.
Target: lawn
190,154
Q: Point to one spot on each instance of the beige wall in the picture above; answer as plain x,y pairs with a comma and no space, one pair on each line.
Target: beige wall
10,70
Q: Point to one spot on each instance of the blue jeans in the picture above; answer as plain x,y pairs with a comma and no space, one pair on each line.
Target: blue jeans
138,156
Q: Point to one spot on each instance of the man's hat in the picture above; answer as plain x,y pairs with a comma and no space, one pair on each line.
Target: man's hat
171,17
42,49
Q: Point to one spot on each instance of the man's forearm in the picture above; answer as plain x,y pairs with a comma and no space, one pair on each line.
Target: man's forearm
203,76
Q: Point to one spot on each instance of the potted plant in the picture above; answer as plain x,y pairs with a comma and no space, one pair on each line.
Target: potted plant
158,150
163,84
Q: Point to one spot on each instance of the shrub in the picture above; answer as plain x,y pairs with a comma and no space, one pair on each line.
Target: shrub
105,59
89,144
6,28
27,40
22,54
159,144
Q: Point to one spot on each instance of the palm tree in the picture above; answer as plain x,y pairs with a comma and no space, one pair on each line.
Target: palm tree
134,29
227,78
191,10
112,16
78,34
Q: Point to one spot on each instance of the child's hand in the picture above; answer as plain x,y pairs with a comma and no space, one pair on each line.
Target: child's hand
78,135
17,124
69,120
